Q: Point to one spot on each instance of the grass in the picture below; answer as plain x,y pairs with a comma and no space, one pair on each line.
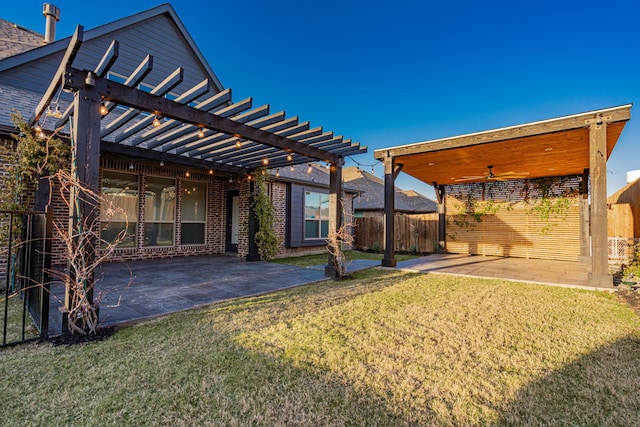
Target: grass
14,320
317,259
385,348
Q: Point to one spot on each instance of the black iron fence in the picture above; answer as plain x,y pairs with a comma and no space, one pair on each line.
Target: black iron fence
25,262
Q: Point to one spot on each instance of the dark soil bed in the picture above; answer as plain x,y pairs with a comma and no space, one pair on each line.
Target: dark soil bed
69,339
631,297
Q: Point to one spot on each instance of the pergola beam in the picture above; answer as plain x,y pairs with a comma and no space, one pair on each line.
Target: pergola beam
121,94
67,59
143,153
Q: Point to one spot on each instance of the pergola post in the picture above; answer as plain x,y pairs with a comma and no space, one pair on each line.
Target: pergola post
85,166
442,219
389,259
585,239
335,211
599,275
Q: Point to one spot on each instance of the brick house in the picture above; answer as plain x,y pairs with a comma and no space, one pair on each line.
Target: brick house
162,166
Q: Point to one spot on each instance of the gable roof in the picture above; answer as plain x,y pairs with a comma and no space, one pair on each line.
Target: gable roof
59,46
31,67
15,39
372,194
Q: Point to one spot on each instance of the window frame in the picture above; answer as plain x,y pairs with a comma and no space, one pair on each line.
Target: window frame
147,222
132,223
320,220
205,187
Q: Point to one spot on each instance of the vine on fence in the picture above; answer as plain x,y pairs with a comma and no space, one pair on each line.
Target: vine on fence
546,198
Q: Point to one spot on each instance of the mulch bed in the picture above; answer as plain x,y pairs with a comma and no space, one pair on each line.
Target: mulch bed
71,339
631,297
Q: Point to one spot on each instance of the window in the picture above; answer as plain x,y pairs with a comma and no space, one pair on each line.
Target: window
119,209
194,205
316,215
159,211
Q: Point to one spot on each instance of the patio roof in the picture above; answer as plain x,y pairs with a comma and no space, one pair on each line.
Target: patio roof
555,147
195,129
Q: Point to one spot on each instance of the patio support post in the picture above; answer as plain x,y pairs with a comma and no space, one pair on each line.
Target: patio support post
335,210
585,246
85,166
389,259
252,254
442,220
598,218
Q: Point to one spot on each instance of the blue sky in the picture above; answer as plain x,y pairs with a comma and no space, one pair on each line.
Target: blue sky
388,73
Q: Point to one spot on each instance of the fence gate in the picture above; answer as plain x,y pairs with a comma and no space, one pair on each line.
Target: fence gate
25,262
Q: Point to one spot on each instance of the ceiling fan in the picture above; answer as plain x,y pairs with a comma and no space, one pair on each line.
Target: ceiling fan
490,176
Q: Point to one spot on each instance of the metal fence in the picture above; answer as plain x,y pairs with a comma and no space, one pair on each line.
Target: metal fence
25,262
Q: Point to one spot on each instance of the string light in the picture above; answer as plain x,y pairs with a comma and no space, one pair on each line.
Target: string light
187,174
238,144
39,131
161,163
156,121
230,178
201,133
103,109
131,167
210,171
360,165
309,169
277,172
292,168
289,157
265,161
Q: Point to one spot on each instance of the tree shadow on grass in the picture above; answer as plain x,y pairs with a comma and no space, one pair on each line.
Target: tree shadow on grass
600,388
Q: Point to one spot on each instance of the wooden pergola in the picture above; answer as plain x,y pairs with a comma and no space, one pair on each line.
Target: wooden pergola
196,130
579,144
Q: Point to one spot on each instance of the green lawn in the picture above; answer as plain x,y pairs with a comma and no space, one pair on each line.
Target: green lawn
14,307
384,348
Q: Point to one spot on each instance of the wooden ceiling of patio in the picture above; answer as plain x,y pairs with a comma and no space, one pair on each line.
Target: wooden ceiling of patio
556,147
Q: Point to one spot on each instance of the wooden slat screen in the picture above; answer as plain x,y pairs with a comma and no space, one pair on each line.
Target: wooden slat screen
523,218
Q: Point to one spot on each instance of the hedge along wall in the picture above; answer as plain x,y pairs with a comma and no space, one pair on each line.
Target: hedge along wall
532,218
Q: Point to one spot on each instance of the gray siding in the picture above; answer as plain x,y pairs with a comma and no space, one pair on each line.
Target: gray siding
296,217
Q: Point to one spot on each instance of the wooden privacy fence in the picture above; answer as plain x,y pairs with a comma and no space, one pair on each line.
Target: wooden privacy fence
413,233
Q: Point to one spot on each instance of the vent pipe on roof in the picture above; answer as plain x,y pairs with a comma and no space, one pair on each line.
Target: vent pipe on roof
51,16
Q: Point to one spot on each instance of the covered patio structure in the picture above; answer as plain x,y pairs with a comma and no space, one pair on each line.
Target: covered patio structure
194,130
577,145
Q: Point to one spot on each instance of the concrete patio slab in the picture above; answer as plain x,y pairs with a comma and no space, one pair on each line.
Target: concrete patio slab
548,272
141,290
